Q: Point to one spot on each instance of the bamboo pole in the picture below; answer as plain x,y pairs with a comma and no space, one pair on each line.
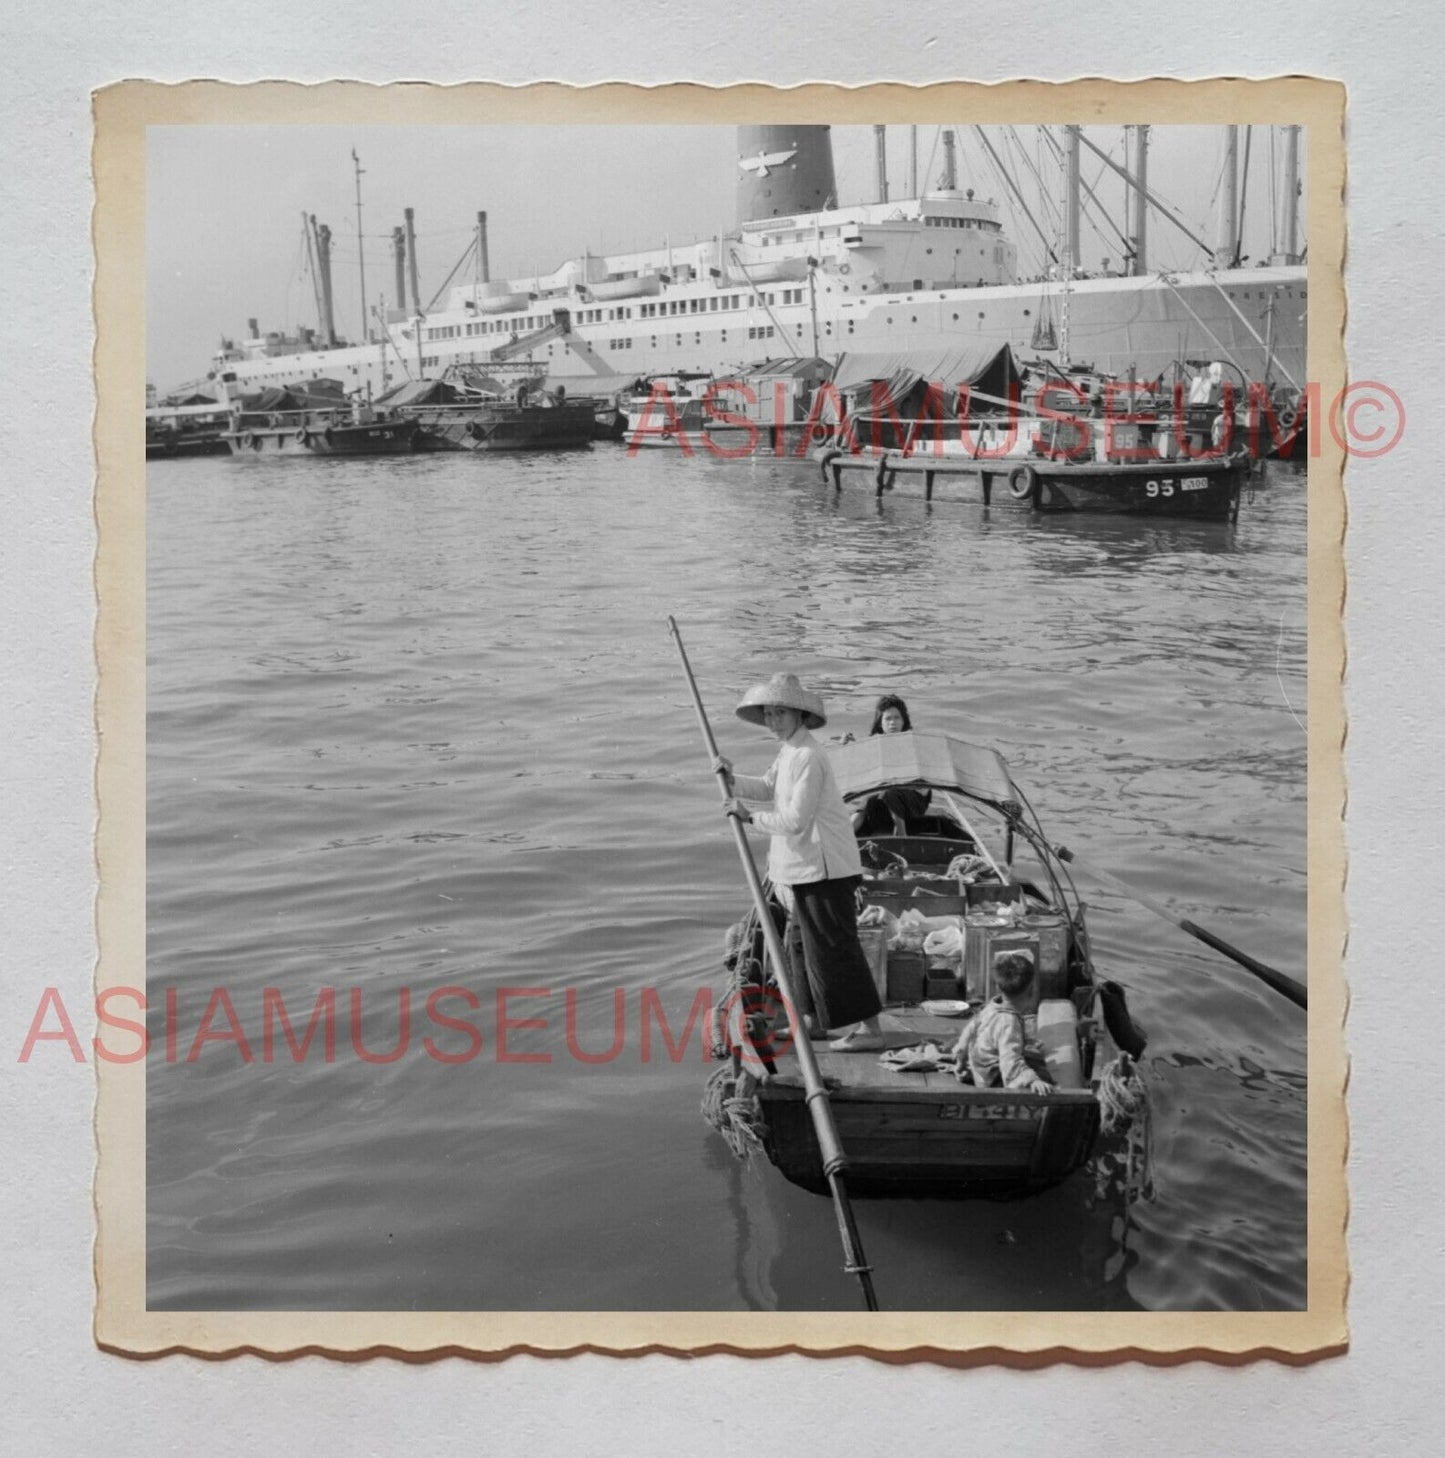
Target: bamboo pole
835,1163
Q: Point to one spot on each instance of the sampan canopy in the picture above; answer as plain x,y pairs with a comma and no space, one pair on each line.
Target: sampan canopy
918,757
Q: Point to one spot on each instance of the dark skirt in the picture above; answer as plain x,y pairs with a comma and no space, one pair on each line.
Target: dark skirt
839,980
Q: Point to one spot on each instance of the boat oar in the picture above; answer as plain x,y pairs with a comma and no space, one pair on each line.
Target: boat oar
1296,992
834,1161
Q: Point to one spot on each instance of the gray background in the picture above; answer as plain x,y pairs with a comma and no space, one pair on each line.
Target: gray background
64,1396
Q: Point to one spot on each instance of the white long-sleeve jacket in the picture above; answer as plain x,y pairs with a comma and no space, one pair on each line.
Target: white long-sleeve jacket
812,831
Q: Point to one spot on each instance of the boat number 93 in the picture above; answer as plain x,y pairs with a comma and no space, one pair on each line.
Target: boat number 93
1166,488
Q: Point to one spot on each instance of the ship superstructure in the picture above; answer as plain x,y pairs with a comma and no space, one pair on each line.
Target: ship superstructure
800,275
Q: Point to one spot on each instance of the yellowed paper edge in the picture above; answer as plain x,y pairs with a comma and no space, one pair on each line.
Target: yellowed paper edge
122,1323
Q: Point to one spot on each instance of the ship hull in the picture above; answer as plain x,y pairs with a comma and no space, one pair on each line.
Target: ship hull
512,428
380,438
1116,325
1200,490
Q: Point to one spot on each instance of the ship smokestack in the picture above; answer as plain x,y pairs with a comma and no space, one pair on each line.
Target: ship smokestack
398,253
784,170
411,261
254,327
323,264
880,143
484,262
950,163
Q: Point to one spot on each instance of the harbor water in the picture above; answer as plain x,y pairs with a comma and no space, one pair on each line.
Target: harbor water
417,734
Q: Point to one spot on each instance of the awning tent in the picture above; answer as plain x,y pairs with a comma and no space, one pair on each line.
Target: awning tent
421,392
921,758
605,387
306,395
903,378
808,368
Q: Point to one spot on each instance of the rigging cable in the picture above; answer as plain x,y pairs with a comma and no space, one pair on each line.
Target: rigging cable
1091,197
1243,199
456,268
1012,184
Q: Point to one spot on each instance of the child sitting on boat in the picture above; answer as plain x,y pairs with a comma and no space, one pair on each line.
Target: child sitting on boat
994,1042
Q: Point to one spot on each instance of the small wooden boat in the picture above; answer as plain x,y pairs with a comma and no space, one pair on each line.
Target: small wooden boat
1207,487
533,424
763,410
193,429
325,433
666,410
926,1132
1147,454
1208,490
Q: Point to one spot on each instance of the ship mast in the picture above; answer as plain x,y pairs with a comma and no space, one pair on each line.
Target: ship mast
1225,249
1291,194
1139,184
360,245
1071,238
1151,198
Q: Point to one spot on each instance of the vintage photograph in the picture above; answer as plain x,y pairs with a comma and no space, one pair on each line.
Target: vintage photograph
731,722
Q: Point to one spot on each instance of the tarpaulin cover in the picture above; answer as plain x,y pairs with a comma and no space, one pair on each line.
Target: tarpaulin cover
989,368
308,395
421,392
592,386
921,758
805,367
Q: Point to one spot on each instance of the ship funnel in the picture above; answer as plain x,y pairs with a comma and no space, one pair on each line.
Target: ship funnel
880,143
323,258
398,253
784,170
950,163
484,261
411,259
254,327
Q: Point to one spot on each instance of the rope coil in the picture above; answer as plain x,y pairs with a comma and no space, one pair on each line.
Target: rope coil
730,1105
1125,1110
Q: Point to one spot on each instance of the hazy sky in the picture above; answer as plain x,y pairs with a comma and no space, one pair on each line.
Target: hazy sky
224,206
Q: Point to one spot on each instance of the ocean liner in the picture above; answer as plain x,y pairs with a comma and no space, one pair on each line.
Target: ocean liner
800,275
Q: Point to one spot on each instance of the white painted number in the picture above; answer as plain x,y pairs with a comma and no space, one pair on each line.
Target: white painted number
1166,488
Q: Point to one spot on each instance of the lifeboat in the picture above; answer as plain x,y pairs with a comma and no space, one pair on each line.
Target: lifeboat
769,270
645,285
501,303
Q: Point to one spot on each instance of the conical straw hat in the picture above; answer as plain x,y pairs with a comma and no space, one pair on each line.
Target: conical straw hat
784,691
